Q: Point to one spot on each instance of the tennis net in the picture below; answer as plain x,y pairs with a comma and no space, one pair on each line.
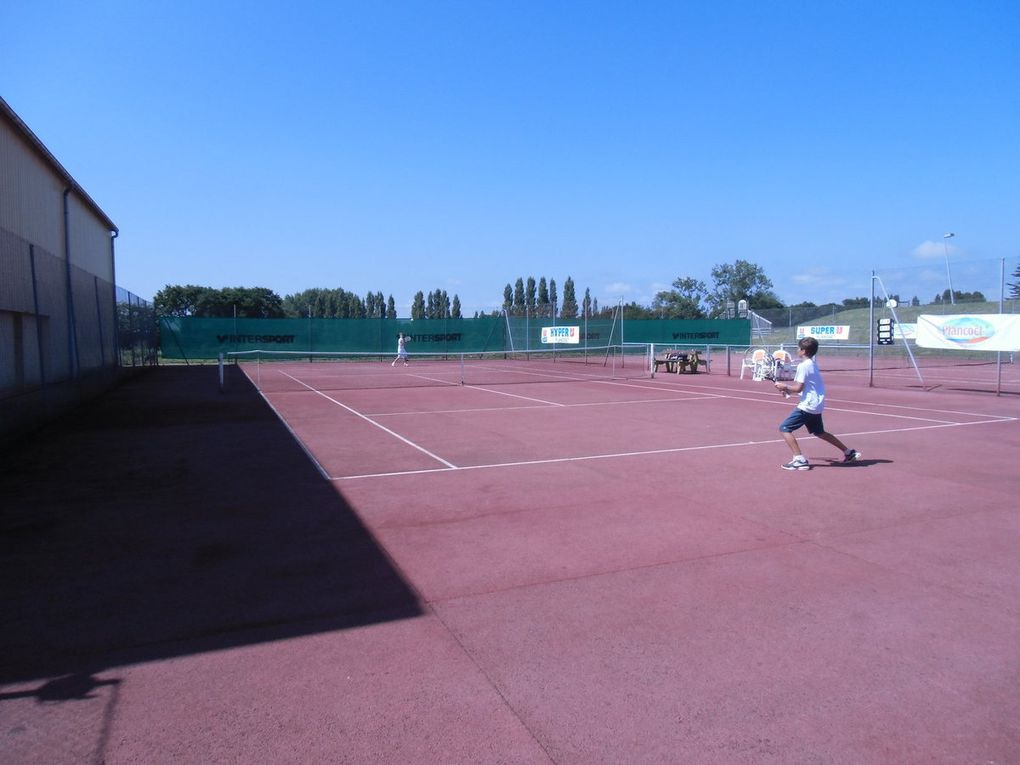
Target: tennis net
274,371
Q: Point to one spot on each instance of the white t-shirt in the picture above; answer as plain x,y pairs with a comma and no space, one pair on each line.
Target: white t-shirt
812,396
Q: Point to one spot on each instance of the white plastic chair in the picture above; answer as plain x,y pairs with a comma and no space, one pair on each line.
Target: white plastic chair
758,361
785,366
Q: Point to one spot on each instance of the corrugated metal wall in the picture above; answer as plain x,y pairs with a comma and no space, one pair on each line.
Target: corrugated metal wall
31,204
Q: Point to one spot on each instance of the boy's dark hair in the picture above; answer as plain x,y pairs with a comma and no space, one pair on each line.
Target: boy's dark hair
809,345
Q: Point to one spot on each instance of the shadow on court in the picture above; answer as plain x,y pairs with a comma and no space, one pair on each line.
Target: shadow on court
166,519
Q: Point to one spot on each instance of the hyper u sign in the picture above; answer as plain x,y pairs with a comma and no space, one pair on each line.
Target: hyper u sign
561,334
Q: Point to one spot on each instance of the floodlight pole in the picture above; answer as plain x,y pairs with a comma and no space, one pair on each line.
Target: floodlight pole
949,275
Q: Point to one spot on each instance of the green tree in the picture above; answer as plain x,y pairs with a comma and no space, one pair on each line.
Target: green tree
861,302
569,308
529,294
418,306
438,305
391,308
455,309
738,281
634,310
508,298
586,305
553,298
375,305
177,300
243,302
971,297
353,307
518,306
684,301
543,298
336,303
1014,287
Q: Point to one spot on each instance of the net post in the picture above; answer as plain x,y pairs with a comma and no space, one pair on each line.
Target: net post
221,371
871,333
1002,306
871,330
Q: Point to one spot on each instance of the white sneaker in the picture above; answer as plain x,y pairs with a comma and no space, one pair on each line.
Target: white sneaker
797,463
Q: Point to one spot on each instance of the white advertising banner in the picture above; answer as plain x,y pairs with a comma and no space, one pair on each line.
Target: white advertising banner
974,332
561,335
825,332
906,331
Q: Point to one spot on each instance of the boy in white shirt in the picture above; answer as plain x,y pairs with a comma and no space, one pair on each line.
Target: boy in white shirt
809,384
401,350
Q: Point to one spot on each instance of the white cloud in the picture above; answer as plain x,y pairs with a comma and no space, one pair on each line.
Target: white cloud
929,249
819,278
618,288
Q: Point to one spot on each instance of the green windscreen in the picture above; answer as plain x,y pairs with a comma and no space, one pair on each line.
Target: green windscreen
198,338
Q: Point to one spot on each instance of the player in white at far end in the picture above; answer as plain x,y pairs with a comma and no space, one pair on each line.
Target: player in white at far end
808,383
401,349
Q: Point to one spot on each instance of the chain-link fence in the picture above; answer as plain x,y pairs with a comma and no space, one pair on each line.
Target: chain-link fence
137,330
898,297
60,323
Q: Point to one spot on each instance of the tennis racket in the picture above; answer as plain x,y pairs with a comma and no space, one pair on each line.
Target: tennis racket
771,377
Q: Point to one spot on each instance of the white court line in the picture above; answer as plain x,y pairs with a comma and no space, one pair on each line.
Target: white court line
369,420
828,407
468,410
566,374
616,455
442,382
763,395
698,396
515,395
929,409
294,435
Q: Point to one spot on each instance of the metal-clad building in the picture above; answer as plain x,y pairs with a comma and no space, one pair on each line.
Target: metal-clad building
58,309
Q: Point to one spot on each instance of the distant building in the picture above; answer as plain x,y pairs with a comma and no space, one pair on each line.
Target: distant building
58,301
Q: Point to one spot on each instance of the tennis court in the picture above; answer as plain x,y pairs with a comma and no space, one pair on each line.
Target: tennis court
639,581
613,570
420,418
626,562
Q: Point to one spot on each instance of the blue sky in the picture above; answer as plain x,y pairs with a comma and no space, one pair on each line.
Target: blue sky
405,146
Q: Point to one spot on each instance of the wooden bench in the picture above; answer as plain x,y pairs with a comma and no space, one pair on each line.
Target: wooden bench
681,362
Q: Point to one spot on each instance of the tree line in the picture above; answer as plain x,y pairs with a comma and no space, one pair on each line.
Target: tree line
688,298
263,303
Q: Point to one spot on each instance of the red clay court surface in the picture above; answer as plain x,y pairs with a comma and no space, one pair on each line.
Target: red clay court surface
577,572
